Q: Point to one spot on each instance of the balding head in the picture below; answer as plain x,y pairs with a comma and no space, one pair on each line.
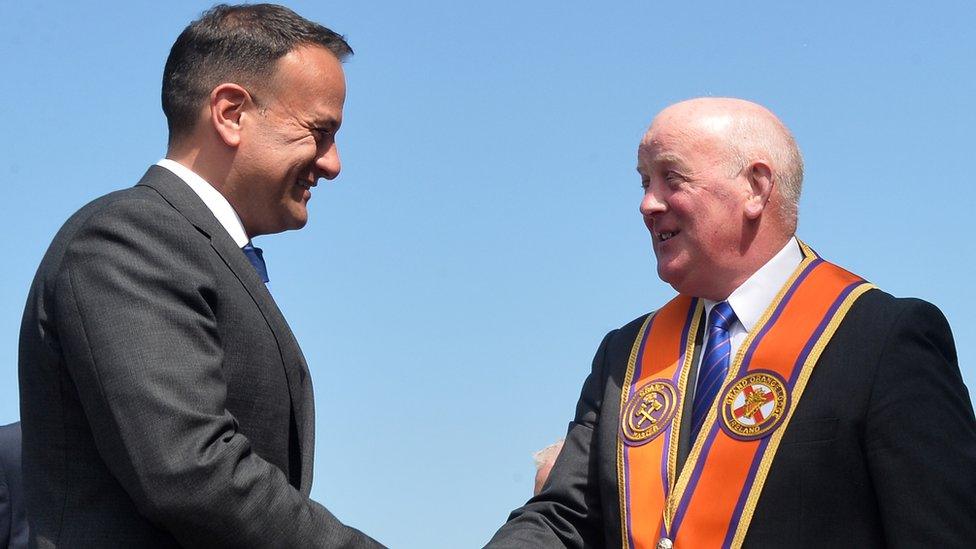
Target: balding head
749,133
722,178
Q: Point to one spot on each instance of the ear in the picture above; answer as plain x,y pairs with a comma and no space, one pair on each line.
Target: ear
760,178
227,103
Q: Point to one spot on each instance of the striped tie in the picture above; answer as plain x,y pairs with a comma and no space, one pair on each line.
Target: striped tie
256,257
714,365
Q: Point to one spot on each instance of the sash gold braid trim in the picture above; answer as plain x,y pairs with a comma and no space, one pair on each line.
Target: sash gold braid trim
686,472
643,495
801,383
624,394
675,428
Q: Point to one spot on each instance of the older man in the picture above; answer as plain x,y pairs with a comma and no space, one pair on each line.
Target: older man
544,460
778,400
165,401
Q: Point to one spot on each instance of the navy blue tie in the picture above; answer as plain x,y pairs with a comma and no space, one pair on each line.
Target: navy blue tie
256,257
714,365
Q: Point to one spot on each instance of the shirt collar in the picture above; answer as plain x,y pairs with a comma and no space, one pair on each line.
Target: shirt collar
215,201
751,299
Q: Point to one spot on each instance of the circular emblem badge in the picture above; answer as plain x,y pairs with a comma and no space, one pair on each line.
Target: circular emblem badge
754,405
649,412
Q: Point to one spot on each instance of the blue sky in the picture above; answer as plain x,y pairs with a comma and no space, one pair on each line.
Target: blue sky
454,282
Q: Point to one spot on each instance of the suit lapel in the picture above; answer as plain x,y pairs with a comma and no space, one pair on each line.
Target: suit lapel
184,200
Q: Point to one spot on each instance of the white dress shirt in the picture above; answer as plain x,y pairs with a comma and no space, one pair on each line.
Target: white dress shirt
219,205
750,300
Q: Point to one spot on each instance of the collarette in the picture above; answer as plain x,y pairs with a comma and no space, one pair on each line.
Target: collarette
751,299
215,202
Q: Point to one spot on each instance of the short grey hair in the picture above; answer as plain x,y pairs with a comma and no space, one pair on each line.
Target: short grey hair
750,136
548,454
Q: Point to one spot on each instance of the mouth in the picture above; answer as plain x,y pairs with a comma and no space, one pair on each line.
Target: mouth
305,185
665,235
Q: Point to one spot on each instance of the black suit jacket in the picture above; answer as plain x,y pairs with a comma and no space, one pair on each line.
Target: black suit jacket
13,519
881,450
164,399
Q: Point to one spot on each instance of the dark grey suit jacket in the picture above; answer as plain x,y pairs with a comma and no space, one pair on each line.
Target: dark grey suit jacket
881,450
13,518
164,399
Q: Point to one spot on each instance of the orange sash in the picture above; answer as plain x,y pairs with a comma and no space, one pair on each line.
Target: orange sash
711,503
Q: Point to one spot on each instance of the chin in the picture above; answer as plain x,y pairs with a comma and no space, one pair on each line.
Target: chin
669,273
680,279
297,224
296,220
285,225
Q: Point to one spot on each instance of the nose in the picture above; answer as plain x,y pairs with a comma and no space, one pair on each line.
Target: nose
327,163
651,204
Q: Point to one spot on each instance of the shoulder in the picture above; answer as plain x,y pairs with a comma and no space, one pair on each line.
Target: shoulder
132,236
886,335
127,204
614,351
621,340
879,302
630,330
898,345
139,205
124,221
879,316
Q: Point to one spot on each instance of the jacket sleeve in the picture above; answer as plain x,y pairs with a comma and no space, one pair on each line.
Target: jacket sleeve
567,513
136,319
920,435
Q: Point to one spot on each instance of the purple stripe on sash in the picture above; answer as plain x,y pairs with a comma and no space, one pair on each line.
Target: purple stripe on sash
664,459
679,515
686,331
626,480
637,361
797,367
737,513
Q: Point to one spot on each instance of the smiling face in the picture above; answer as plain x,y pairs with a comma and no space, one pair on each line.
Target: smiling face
693,206
287,141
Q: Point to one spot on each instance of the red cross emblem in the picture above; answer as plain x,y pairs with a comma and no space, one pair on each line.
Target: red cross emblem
756,397
754,405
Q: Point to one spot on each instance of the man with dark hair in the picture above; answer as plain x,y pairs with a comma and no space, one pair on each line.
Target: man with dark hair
238,43
164,399
778,400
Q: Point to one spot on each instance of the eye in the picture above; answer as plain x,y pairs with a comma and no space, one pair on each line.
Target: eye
673,178
323,136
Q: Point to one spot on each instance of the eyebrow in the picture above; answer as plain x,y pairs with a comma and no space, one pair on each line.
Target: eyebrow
666,159
326,123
